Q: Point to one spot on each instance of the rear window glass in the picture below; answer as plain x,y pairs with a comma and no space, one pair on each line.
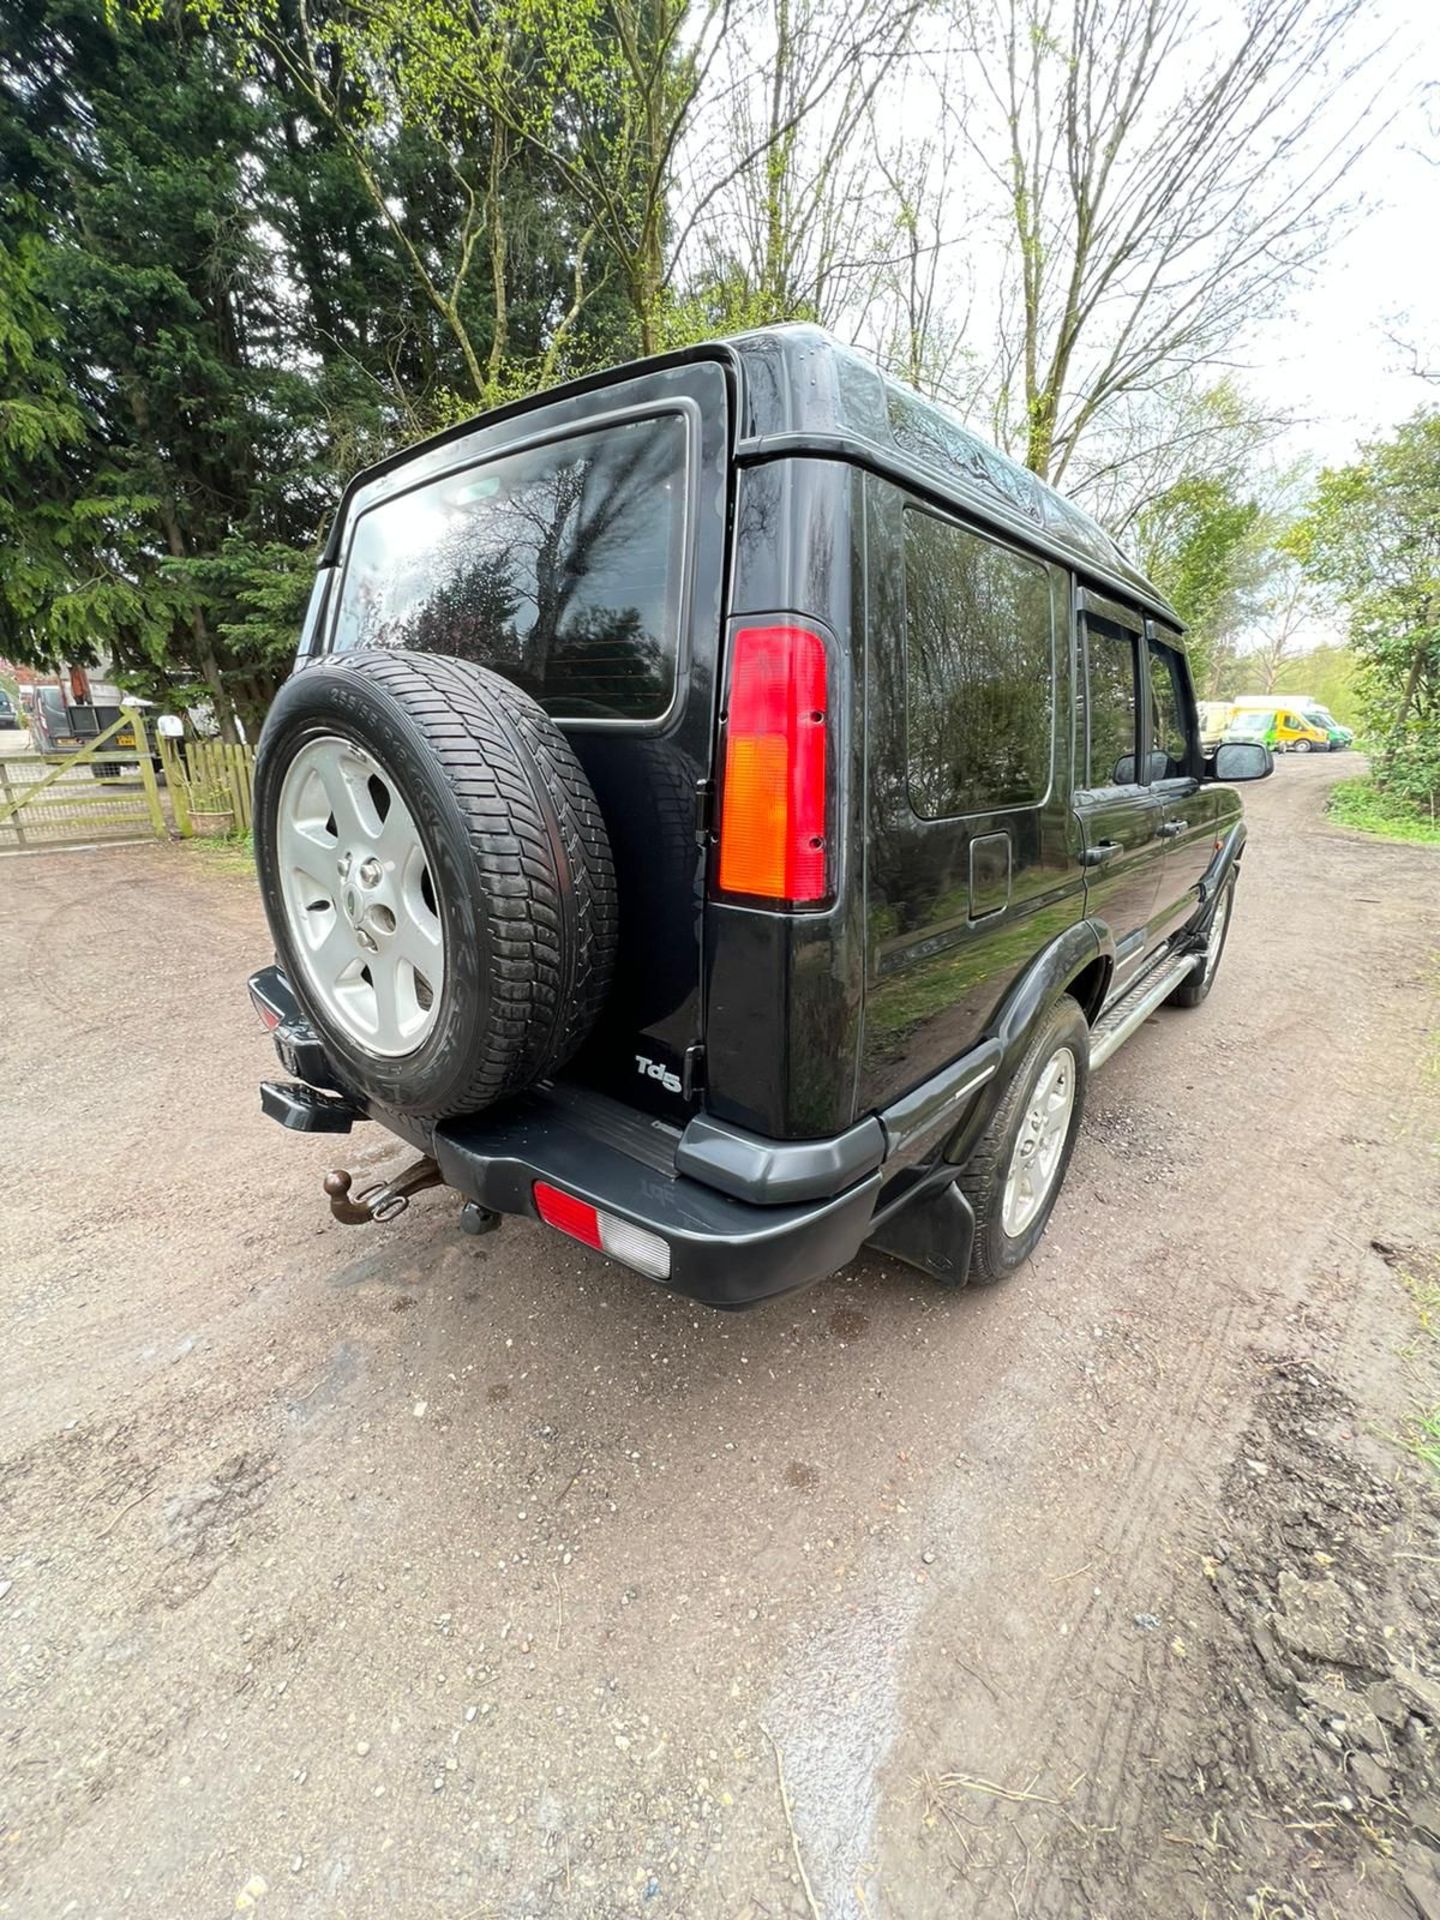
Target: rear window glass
977,669
558,566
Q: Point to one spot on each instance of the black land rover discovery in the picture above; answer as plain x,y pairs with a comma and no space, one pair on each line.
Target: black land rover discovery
727,811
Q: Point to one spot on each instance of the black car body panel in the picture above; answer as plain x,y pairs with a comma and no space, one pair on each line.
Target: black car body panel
796,1077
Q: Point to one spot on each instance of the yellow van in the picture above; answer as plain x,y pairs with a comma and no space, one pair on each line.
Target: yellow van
1295,734
1286,728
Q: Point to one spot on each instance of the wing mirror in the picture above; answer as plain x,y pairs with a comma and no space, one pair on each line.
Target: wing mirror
1241,760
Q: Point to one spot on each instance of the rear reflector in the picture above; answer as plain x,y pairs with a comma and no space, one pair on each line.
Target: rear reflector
773,796
269,1016
646,1252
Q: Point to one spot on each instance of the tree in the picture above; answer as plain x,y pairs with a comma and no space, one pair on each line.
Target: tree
777,175
1286,609
130,145
41,427
1194,542
1327,674
471,245
1372,535
1158,183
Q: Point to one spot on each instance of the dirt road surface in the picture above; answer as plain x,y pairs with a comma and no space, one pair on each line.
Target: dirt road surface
382,1572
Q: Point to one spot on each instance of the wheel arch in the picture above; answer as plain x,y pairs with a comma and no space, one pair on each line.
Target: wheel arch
1079,961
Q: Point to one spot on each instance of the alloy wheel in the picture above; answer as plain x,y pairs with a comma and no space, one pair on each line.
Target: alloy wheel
1040,1146
360,896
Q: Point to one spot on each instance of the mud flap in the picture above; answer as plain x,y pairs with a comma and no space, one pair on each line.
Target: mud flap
935,1232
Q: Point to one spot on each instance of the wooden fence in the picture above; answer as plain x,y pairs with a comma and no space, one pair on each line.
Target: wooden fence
108,790
209,774
105,791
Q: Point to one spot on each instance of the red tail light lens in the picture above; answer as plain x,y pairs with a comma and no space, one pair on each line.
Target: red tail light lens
269,1016
621,1239
773,795
570,1215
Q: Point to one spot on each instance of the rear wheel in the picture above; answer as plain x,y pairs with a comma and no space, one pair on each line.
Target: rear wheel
1014,1177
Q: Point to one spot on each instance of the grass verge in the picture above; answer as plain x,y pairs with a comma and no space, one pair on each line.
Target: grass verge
1360,804
1419,1274
1424,1439
233,857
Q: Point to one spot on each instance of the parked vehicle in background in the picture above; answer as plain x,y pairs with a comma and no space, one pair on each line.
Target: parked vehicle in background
1252,723
1307,713
60,724
1214,718
1295,734
1339,737
10,720
726,811
1281,726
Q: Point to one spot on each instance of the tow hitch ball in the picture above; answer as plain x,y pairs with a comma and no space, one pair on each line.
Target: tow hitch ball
389,1201
385,1202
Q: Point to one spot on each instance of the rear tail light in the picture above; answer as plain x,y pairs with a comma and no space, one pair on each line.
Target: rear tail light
644,1251
774,796
269,1016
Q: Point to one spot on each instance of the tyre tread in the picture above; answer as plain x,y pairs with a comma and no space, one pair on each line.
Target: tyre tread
542,861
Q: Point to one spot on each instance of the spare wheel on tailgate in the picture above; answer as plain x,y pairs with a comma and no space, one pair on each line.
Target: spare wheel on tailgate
436,875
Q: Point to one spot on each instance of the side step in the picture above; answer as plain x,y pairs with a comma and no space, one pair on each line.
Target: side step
1137,1003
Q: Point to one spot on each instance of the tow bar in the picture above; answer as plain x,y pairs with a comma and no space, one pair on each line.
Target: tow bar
379,1203
389,1201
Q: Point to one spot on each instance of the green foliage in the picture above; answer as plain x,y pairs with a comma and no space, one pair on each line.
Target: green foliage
1361,804
1423,1437
239,258
187,431
40,428
1194,542
723,301
1328,674
1373,536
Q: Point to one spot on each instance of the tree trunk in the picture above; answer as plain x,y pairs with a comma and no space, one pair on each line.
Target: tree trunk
495,231
1397,725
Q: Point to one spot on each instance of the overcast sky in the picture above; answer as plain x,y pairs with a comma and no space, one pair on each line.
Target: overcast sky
1331,362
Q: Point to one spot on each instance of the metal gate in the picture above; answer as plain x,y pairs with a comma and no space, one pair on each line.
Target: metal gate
105,792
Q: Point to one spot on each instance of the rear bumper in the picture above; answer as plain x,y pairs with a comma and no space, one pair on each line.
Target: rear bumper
725,1251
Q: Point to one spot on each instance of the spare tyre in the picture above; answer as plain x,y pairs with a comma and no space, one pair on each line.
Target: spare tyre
436,875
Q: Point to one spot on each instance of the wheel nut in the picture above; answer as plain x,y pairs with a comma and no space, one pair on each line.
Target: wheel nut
370,873
367,940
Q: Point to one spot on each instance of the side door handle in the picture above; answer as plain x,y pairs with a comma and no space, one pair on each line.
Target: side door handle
1168,829
1097,855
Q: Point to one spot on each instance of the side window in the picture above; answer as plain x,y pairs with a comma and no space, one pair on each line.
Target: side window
1111,706
1169,747
979,671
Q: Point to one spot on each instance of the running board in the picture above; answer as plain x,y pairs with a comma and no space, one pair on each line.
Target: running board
1134,1008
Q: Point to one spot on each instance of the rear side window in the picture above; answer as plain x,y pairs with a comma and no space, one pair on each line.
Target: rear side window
1111,707
558,566
979,692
